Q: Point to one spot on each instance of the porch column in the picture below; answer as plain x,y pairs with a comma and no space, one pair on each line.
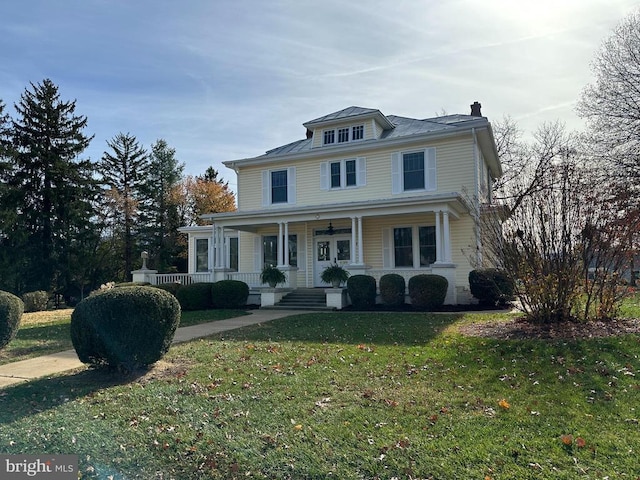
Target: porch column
223,249
447,237
360,245
286,243
438,238
353,258
279,244
212,250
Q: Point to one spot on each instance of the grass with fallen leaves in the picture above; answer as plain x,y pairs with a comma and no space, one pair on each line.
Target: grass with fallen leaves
349,396
42,333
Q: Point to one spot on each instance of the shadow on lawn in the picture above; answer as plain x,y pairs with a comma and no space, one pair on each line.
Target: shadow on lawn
37,396
358,327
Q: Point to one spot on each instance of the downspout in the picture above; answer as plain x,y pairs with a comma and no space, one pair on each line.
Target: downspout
476,203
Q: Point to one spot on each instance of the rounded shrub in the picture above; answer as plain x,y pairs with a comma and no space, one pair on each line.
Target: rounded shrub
229,294
491,286
196,296
362,291
427,292
35,301
124,328
392,288
11,309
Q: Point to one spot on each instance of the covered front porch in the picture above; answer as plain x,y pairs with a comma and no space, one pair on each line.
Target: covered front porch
407,236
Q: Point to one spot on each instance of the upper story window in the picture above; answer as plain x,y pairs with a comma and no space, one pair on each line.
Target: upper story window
413,171
329,137
350,172
357,132
343,135
279,186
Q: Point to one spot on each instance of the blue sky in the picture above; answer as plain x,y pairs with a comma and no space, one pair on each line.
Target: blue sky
228,79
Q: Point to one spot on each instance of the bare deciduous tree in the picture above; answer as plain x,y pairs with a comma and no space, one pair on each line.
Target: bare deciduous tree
562,241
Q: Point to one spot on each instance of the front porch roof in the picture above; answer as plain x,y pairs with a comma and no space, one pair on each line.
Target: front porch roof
454,203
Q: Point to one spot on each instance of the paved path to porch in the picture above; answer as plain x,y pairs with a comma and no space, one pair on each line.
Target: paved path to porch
33,368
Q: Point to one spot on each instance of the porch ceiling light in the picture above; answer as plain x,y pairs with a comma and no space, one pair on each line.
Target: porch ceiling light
330,230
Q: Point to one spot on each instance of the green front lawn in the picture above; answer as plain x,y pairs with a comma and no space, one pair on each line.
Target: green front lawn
349,396
42,333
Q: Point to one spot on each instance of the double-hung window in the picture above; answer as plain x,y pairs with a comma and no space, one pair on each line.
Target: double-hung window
202,255
346,173
270,250
409,247
413,171
279,187
343,135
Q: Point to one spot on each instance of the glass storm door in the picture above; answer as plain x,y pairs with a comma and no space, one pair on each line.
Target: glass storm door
329,250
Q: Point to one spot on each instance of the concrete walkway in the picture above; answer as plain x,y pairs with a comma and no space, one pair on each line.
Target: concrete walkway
26,370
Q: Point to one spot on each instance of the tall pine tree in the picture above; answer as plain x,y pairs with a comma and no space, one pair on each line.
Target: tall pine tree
123,172
49,189
159,210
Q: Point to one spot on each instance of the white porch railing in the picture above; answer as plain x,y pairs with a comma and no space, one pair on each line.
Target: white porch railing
250,278
183,278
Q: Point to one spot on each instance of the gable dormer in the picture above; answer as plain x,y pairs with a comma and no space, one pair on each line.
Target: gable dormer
352,124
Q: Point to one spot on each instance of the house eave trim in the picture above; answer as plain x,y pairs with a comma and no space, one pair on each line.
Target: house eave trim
363,146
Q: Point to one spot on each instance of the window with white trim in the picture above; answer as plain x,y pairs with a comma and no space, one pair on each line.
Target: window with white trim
347,173
202,255
413,171
329,137
279,187
357,132
409,246
343,135
270,250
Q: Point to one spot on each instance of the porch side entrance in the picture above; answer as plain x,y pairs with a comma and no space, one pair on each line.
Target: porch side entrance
328,250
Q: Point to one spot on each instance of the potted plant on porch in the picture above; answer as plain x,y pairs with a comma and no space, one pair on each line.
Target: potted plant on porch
335,275
272,276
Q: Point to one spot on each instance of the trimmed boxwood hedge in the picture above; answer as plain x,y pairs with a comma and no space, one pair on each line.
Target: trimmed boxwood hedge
229,294
392,288
124,328
427,292
362,291
196,296
11,310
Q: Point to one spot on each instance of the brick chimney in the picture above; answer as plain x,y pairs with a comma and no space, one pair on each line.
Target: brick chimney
475,109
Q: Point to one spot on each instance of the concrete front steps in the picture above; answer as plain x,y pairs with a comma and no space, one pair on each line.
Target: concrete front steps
303,299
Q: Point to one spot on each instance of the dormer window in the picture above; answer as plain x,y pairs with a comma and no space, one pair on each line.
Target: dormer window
357,132
343,134
329,137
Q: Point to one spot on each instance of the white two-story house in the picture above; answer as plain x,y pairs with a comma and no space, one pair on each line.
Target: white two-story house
373,192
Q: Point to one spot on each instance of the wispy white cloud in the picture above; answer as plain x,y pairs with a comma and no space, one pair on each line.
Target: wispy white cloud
230,79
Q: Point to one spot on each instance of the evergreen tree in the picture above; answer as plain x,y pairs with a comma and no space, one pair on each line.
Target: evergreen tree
47,202
123,173
159,211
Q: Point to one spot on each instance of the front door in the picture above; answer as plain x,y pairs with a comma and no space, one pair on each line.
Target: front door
329,250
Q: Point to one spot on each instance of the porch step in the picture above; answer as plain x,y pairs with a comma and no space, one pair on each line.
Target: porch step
304,299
